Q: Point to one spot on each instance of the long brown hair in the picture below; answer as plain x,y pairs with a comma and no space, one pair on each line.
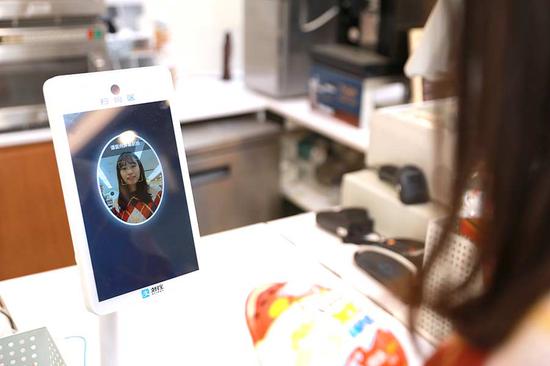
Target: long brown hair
503,87
142,188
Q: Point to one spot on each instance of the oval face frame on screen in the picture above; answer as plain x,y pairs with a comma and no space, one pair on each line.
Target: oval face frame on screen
130,179
129,144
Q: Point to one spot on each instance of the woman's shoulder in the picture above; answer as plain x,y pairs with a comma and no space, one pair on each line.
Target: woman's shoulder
529,344
154,191
115,204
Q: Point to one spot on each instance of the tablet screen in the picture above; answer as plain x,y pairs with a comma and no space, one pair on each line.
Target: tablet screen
132,197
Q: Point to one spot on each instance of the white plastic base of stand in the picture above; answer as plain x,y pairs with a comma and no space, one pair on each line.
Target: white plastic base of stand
108,339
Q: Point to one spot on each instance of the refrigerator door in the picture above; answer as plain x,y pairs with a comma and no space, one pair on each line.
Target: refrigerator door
234,170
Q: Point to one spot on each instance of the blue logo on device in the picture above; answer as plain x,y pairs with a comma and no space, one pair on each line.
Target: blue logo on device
145,293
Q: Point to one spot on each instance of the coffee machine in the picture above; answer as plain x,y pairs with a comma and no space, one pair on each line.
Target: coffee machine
380,25
277,44
282,35
363,71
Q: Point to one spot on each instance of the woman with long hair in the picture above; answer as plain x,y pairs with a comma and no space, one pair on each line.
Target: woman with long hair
137,201
503,87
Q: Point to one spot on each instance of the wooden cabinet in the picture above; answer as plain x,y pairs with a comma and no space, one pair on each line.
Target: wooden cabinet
34,232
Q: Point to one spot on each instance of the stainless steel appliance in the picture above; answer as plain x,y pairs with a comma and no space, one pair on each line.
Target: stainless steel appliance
25,10
41,39
234,169
278,40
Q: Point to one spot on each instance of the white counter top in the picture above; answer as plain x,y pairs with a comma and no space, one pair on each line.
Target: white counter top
338,257
327,249
202,98
25,137
203,326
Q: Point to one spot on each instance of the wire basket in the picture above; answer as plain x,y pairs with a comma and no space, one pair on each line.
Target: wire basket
32,348
453,266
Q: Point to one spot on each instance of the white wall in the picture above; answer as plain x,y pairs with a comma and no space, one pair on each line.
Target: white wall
198,28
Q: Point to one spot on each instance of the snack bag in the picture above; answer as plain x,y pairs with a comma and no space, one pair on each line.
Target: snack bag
293,325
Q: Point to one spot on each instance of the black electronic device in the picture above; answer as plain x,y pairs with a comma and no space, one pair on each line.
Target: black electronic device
409,180
349,18
388,173
393,271
355,226
380,25
356,62
347,223
410,249
397,17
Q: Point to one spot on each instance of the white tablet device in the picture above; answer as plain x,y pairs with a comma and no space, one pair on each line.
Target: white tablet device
125,182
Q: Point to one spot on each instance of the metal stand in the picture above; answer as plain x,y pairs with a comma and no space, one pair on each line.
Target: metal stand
108,339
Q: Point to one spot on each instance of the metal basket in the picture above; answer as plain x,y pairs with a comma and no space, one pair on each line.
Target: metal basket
32,348
453,267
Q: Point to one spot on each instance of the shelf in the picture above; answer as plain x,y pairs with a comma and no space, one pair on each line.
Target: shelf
310,196
205,97
299,111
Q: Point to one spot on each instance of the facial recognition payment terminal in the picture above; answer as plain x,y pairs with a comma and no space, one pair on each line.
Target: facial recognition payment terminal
125,181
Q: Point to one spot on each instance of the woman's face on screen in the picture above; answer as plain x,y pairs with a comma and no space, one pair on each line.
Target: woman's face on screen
129,171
